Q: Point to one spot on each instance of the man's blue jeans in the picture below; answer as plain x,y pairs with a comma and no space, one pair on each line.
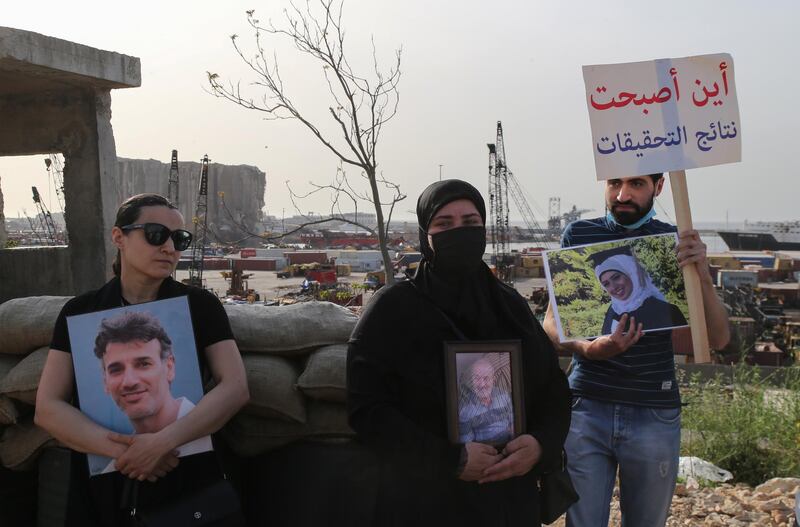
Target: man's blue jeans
643,442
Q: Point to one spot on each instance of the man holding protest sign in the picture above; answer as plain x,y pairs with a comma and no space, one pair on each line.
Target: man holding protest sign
626,404
646,118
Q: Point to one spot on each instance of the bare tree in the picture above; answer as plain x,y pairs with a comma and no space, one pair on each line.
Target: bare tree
361,105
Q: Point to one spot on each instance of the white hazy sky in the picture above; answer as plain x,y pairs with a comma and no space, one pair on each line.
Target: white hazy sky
466,64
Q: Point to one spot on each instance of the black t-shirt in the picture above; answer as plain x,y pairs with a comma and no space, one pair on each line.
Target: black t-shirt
644,375
96,500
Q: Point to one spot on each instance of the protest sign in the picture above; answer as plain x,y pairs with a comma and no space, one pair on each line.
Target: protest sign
663,115
666,115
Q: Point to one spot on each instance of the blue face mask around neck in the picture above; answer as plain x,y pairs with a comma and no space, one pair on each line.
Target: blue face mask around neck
644,219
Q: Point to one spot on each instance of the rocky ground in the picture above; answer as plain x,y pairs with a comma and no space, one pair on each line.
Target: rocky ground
770,504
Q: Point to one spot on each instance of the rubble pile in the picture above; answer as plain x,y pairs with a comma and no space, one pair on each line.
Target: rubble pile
771,504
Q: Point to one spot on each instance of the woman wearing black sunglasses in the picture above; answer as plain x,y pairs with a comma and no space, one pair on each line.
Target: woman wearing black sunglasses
149,236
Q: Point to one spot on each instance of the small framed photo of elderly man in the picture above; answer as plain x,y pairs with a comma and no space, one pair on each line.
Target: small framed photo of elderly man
484,391
592,286
136,370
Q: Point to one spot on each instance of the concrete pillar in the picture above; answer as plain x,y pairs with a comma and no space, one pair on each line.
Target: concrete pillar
3,236
55,97
107,167
90,200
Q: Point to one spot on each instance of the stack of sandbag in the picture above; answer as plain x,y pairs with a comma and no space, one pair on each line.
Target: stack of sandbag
294,356
295,360
26,327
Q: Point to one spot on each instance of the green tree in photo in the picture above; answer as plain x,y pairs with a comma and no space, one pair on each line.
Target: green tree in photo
657,256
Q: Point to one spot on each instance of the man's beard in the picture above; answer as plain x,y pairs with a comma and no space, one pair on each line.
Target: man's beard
630,217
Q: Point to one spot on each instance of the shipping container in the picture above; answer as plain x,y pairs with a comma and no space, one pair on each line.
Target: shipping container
528,272
532,261
793,256
731,279
766,275
783,264
724,261
216,264
360,255
213,264
361,261
256,264
768,358
274,252
762,258
303,257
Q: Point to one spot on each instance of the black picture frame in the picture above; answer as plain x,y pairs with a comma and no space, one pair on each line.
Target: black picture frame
473,414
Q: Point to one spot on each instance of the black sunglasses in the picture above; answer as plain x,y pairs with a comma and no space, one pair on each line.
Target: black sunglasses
157,234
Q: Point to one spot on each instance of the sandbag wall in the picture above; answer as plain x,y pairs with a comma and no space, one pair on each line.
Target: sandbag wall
295,360
26,327
294,356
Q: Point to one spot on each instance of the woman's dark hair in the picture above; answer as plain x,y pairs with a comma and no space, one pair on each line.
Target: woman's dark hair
128,214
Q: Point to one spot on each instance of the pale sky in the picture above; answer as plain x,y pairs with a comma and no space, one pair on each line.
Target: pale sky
465,65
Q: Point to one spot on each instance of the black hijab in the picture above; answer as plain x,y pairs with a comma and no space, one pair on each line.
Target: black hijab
470,300
436,196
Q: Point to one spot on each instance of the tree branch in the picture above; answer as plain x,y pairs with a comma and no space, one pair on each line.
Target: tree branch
362,105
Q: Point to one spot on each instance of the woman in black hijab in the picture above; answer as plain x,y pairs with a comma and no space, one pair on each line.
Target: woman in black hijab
396,380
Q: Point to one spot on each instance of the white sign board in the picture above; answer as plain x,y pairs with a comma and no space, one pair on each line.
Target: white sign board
663,115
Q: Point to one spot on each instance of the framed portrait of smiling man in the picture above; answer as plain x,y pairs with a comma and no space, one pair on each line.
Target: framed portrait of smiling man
136,370
593,286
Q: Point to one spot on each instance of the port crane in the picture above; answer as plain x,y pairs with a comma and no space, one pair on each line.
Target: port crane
502,183
554,214
172,188
558,221
574,214
45,219
498,212
34,230
55,169
200,221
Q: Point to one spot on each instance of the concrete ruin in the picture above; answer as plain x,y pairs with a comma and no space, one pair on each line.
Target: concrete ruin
243,186
3,235
55,96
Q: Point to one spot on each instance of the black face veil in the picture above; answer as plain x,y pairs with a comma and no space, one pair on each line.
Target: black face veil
436,196
469,299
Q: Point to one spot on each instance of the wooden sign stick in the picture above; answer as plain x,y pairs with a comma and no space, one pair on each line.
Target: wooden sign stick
694,292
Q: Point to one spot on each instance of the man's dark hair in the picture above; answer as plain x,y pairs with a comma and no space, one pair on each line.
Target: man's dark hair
655,177
128,214
131,327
